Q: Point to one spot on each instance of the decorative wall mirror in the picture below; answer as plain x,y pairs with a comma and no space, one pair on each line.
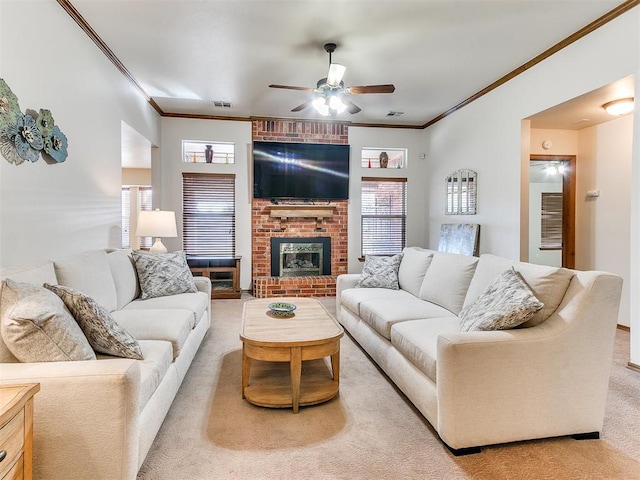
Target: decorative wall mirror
461,193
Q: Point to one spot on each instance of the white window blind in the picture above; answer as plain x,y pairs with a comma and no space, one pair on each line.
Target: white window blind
208,215
145,199
551,221
383,215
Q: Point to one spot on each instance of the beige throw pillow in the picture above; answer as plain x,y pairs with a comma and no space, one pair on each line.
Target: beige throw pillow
36,326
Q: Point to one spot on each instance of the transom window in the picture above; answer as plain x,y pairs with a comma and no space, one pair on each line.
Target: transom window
383,215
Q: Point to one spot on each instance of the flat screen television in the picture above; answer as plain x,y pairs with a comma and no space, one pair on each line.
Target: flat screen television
309,171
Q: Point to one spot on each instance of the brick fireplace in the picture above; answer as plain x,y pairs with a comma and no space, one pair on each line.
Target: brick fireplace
329,221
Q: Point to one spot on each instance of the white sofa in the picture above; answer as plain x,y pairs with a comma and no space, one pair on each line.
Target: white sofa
477,388
98,418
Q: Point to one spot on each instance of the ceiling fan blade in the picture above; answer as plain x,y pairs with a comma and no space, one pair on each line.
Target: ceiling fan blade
302,106
358,90
289,87
336,72
351,107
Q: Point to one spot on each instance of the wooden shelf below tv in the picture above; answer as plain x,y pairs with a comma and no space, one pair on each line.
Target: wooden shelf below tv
284,212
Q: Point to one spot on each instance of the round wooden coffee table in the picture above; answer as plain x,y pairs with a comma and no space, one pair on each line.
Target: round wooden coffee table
311,336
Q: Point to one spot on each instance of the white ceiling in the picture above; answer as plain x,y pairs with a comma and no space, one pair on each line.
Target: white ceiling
437,53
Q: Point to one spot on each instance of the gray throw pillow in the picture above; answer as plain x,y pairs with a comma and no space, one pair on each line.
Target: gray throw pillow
36,326
380,272
162,274
506,303
104,334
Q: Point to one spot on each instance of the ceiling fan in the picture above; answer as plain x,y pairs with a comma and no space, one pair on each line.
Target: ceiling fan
331,90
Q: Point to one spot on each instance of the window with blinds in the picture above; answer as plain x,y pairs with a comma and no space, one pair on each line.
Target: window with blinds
209,215
145,199
551,221
383,215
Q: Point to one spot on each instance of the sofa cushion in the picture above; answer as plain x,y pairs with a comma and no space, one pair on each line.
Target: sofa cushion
124,276
102,331
506,303
37,275
413,266
162,274
382,314
171,325
548,284
447,280
89,273
37,327
380,272
352,298
197,303
417,340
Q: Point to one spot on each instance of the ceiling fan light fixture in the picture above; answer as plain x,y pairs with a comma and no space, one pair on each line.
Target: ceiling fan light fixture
335,103
336,72
621,106
321,106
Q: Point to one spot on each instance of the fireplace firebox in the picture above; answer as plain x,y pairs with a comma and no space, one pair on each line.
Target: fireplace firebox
300,256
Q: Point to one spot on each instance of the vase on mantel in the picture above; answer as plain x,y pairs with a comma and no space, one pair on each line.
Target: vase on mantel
208,154
384,160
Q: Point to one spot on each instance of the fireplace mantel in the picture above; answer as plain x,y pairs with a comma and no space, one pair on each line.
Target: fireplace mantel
319,212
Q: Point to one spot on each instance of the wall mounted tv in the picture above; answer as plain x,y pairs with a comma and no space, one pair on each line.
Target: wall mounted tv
303,171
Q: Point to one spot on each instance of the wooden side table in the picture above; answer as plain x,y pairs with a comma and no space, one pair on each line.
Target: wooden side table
16,431
224,274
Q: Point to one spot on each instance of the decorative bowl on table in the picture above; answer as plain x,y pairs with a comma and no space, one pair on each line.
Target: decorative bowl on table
281,309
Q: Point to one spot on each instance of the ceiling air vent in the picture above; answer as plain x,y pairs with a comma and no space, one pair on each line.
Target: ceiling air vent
221,104
394,114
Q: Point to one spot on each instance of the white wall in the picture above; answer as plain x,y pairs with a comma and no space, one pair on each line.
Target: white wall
48,211
169,167
486,135
416,172
603,224
563,142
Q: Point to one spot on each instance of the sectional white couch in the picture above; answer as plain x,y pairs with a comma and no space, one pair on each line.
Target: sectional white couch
98,418
547,378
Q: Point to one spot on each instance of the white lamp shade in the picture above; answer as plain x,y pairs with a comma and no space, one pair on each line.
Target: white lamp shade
156,223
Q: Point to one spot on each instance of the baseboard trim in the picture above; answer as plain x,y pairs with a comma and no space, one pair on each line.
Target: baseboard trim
633,366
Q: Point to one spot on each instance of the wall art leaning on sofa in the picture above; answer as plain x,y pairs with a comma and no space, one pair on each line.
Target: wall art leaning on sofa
27,136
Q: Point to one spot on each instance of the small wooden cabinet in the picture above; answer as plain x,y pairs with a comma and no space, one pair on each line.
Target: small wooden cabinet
224,274
16,431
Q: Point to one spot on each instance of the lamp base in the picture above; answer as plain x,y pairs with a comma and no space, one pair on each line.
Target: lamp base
158,246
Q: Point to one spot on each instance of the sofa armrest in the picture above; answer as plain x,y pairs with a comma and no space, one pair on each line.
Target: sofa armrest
203,284
85,416
344,281
544,381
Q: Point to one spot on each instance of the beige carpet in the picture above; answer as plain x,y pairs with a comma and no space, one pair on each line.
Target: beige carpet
370,431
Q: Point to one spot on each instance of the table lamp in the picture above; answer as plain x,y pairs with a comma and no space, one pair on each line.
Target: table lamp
157,223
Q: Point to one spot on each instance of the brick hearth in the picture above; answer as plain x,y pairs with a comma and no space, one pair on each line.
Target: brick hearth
265,226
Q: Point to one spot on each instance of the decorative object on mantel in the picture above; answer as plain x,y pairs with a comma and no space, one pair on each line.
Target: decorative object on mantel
461,193
208,154
26,136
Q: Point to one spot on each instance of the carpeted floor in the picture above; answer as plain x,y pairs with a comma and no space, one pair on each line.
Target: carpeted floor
370,431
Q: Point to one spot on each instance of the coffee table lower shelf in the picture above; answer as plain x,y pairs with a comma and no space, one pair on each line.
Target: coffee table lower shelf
270,384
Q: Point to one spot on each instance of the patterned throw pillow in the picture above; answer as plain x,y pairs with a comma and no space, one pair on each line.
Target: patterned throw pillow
506,303
102,331
37,327
380,272
162,274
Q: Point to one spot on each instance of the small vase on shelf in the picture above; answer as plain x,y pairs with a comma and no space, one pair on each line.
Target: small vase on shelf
208,154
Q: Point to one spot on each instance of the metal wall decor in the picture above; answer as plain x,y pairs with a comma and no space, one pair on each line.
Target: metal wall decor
461,189
26,136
